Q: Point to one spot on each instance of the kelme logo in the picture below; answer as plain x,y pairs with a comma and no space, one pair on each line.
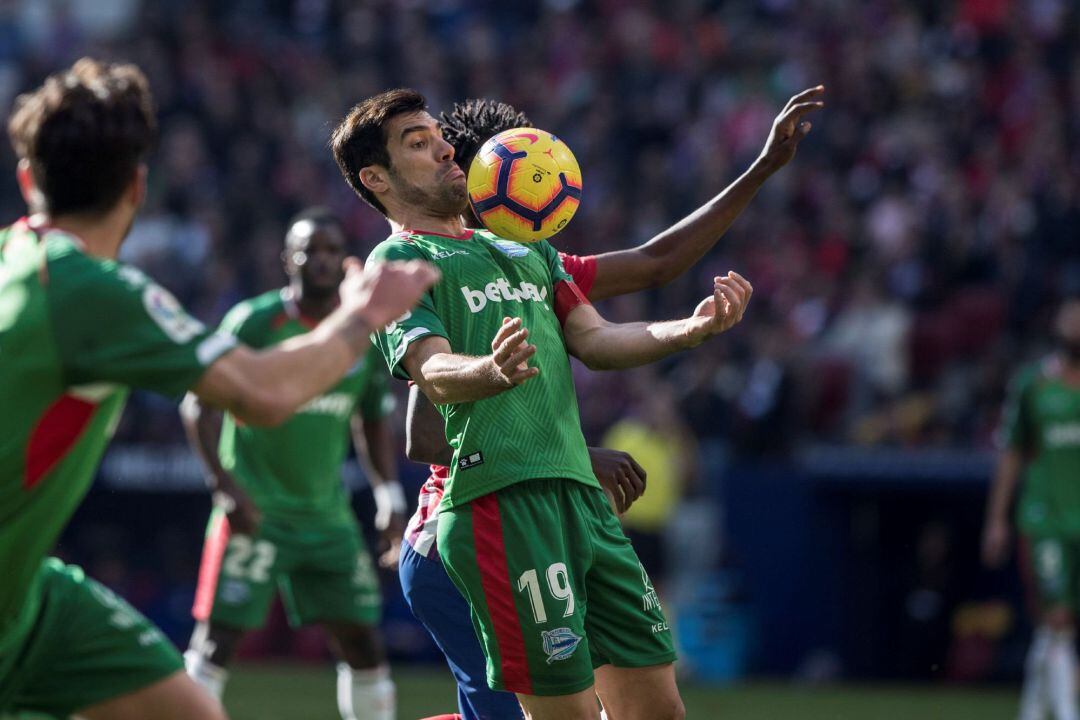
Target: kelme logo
560,643
501,290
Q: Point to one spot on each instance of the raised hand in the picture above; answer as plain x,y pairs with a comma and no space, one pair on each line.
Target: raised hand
731,295
510,352
789,128
384,291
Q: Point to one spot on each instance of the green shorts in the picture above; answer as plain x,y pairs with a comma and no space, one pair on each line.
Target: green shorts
324,573
1055,566
86,646
554,586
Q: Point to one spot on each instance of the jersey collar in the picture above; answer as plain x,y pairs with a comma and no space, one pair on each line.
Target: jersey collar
292,309
467,235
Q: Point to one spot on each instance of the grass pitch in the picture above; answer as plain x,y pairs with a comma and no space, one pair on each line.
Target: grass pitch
287,692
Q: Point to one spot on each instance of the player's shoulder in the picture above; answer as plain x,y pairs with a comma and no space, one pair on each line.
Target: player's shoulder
404,245
1036,372
70,270
255,311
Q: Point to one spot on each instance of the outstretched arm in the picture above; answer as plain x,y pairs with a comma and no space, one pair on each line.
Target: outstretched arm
264,387
609,346
673,251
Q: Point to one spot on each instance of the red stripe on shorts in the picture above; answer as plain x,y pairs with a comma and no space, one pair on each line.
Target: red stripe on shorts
495,580
210,568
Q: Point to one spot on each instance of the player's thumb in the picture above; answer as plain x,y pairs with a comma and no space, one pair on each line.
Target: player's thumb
803,130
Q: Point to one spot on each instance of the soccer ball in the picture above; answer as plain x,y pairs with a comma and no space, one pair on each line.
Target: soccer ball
524,185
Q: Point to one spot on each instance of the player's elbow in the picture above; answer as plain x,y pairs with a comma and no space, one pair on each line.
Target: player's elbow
588,346
656,269
596,361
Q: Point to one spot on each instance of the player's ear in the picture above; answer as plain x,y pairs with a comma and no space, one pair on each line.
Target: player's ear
137,190
374,178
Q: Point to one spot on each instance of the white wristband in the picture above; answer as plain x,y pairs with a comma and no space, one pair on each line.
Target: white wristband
389,499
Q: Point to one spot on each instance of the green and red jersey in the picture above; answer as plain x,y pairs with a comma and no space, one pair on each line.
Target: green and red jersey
421,531
1042,421
530,431
293,471
76,332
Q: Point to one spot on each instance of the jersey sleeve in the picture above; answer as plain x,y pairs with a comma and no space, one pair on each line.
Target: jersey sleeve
113,324
1018,426
376,401
567,294
582,269
393,340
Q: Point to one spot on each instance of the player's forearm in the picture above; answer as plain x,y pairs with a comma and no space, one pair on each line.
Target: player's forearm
379,444
202,426
1003,489
447,378
375,450
671,253
619,346
425,438
685,242
265,387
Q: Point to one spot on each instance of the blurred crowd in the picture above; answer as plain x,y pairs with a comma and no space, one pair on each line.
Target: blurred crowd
903,263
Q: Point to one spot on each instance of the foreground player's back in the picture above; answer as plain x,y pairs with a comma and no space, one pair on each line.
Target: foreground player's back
51,437
75,332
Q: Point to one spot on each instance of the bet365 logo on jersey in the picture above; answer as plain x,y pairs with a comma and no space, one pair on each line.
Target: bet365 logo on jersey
502,291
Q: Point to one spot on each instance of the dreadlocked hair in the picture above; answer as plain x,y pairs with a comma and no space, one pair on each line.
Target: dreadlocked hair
472,123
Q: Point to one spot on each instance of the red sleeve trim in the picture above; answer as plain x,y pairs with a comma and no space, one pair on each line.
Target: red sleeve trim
567,297
582,268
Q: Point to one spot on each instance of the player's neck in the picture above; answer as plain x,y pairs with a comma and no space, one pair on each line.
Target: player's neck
101,235
1070,372
424,222
315,308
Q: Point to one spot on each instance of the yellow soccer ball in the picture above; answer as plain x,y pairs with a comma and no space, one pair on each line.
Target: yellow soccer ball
524,185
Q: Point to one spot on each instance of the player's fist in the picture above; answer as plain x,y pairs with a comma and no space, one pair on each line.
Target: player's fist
995,543
713,315
789,128
384,291
510,353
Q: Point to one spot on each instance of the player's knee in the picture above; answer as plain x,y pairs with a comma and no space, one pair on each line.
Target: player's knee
358,645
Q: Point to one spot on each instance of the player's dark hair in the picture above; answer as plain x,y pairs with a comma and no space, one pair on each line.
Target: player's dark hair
472,123
84,133
360,139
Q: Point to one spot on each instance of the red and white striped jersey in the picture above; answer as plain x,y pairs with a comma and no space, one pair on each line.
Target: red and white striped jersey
423,525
